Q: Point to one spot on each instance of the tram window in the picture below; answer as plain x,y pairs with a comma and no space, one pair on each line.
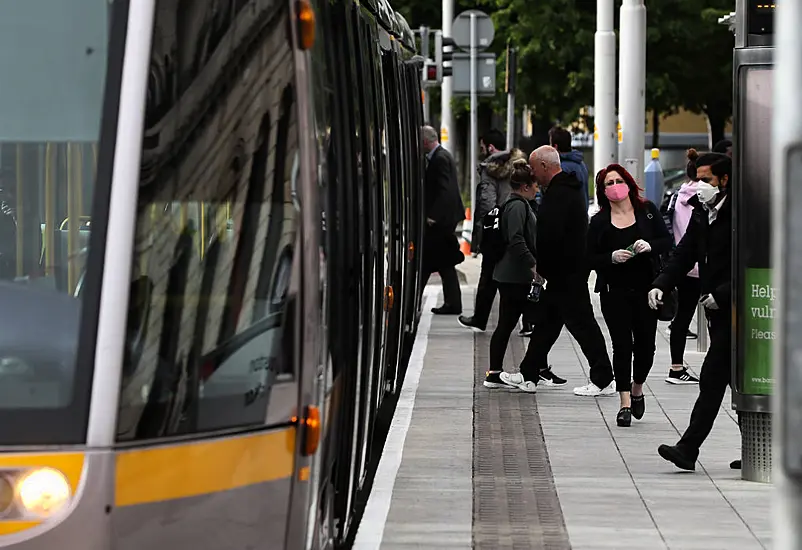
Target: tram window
210,321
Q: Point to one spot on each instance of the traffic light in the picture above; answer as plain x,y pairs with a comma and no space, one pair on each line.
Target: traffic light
429,73
441,56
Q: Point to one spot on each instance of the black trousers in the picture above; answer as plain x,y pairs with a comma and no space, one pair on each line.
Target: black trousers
688,292
567,303
713,382
512,305
485,292
452,296
633,326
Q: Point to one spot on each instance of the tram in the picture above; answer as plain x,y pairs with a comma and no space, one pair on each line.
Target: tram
210,257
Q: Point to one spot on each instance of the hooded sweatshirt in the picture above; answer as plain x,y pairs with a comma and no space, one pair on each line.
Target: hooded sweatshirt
574,163
682,216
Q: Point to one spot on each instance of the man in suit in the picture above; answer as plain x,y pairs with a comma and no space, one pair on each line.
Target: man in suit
444,211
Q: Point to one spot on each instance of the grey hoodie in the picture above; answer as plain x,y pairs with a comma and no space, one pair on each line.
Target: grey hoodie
492,190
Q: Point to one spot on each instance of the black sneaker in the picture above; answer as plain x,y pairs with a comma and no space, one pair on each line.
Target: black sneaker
681,377
735,465
691,335
550,380
677,456
468,322
526,331
492,380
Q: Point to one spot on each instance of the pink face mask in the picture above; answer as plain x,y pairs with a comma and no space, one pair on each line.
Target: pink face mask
617,192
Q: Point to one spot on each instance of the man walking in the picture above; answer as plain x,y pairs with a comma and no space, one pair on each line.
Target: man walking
706,242
444,211
565,300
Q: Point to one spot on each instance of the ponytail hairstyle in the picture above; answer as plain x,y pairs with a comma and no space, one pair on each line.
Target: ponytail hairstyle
521,174
690,169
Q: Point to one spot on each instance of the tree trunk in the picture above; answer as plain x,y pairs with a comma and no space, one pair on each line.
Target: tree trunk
716,121
655,129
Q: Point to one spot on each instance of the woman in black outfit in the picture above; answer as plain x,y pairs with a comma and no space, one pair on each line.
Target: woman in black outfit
625,240
514,273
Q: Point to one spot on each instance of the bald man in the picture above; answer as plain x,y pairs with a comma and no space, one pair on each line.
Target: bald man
444,210
562,228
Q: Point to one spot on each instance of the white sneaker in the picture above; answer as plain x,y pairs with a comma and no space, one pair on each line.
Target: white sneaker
592,390
517,381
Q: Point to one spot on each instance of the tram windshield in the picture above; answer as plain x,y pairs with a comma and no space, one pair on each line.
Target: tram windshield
53,57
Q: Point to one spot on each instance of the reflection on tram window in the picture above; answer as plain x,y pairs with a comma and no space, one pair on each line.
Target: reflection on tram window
51,101
211,313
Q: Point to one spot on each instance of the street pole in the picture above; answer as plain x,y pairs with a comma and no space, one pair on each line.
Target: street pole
605,146
424,46
447,85
786,161
511,70
631,87
474,137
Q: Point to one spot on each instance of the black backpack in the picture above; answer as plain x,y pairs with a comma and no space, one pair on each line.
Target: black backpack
493,244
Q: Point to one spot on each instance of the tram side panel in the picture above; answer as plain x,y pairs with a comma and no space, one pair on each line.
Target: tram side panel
216,237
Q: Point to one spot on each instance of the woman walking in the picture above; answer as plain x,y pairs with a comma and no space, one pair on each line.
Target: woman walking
688,291
515,272
625,240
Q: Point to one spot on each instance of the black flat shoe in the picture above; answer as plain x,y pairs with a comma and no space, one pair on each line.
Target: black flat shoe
735,465
624,418
638,406
676,456
447,310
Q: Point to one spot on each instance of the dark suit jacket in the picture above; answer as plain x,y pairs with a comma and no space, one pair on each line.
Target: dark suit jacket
443,204
443,201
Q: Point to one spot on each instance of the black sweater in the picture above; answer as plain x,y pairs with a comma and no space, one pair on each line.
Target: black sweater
562,221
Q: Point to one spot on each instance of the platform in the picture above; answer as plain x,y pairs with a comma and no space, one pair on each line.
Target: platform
467,467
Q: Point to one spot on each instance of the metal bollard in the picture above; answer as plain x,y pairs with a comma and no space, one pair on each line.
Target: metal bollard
701,329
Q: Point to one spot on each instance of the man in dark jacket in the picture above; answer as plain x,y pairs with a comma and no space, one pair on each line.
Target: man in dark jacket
444,210
571,160
706,242
565,300
492,191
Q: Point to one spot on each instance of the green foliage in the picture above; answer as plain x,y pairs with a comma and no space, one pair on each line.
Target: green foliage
689,55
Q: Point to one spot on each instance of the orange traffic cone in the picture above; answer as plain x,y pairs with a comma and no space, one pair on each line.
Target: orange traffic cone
465,247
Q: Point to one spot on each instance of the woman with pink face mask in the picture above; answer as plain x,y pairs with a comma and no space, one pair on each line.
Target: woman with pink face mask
625,240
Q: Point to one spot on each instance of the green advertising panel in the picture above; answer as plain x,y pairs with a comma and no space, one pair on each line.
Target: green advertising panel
760,299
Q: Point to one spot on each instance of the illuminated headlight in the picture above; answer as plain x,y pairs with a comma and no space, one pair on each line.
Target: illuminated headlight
43,492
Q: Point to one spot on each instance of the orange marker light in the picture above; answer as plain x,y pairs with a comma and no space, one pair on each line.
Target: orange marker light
310,426
306,24
411,251
389,298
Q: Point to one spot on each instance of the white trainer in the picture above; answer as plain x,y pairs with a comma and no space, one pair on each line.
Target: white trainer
592,390
516,380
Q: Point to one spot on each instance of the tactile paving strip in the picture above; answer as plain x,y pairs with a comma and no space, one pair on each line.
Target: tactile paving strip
515,502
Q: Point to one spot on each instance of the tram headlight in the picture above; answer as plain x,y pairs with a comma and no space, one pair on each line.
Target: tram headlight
43,492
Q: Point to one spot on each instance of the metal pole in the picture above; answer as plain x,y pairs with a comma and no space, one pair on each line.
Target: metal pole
474,136
511,70
701,329
447,85
631,87
787,249
605,146
424,46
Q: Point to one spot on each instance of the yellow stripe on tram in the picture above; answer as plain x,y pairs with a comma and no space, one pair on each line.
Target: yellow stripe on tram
203,467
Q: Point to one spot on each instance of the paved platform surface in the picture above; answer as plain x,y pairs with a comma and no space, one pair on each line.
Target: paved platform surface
466,467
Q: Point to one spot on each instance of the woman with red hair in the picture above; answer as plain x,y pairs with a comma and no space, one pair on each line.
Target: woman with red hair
625,240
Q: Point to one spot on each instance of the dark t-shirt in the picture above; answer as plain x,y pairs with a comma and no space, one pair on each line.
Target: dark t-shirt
635,274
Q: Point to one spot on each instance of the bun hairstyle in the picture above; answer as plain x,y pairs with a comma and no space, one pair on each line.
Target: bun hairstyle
690,169
521,174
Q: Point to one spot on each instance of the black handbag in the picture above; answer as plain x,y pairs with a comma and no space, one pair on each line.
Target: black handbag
667,310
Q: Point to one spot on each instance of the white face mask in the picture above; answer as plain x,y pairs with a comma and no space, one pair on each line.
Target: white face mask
706,193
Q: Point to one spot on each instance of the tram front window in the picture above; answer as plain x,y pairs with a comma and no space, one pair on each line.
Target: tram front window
53,57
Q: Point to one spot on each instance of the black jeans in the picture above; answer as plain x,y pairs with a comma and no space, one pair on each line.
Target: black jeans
688,292
485,292
713,382
567,303
633,326
512,305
